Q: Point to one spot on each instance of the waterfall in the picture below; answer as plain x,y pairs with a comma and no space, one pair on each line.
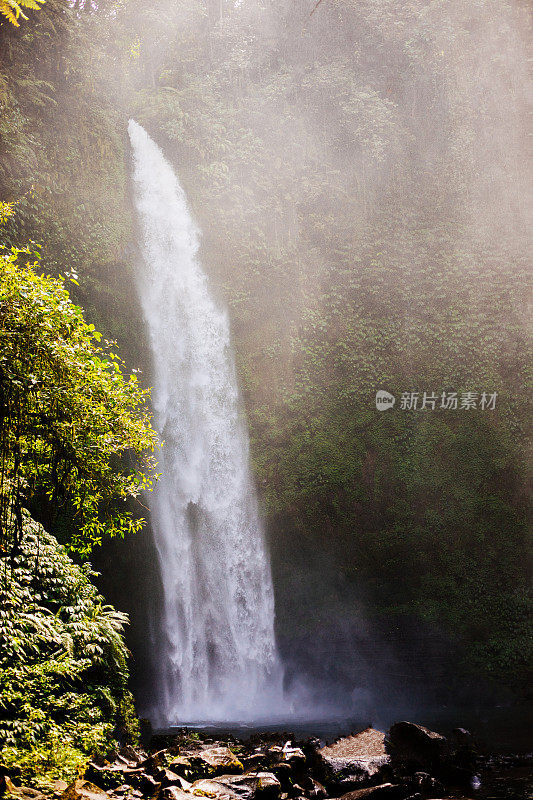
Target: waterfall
218,653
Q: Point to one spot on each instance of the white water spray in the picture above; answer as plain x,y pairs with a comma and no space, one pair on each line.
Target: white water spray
219,657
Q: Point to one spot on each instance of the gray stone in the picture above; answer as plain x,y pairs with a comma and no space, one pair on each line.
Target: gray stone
84,790
354,760
262,785
414,746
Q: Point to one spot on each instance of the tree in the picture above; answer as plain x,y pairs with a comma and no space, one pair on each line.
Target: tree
74,431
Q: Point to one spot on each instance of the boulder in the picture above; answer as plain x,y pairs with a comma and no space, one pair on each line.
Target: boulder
23,792
262,785
149,786
181,766
84,790
313,789
166,777
384,791
425,784
175,793
110,776
294,756
283,773
154,761
254,761
413,747
213,761
354,761
129,756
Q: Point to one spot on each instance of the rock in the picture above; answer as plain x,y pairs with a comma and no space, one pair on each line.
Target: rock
23,792
426,784
110,776
210,787
84,790
130,756
175,793
149,786
181,766
313,789
268,785
262,785
154,761
354,760
59,787
274,754
283,773
414,747
387,791
166,777
293,756
253,761
213,761
462,737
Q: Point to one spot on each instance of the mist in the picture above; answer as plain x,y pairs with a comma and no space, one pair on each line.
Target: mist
360,176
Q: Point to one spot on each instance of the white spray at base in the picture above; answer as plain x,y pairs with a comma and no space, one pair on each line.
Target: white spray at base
218,660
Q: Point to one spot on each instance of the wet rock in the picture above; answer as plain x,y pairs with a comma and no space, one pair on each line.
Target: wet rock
354,761
213,761
181,766
131,757
110,776
84,790
426,784
262,785
166,777
254,761
149,786
283,772
313,789
154,761
297,791
23,792
413,747
384,791
218,788
294,756
175,793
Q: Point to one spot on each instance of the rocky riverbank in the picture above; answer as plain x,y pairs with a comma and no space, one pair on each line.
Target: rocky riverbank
409,762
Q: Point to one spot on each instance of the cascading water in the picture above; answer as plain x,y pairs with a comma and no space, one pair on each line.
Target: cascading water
218,658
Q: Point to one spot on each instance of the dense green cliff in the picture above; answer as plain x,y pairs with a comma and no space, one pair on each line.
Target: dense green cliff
358,178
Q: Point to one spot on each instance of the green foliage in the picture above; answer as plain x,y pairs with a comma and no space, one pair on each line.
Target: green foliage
73,427
63,661
341,166
12,9
358,175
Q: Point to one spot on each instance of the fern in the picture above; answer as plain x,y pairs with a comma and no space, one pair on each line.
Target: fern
12,9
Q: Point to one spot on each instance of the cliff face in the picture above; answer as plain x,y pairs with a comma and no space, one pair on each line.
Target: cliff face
358,180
